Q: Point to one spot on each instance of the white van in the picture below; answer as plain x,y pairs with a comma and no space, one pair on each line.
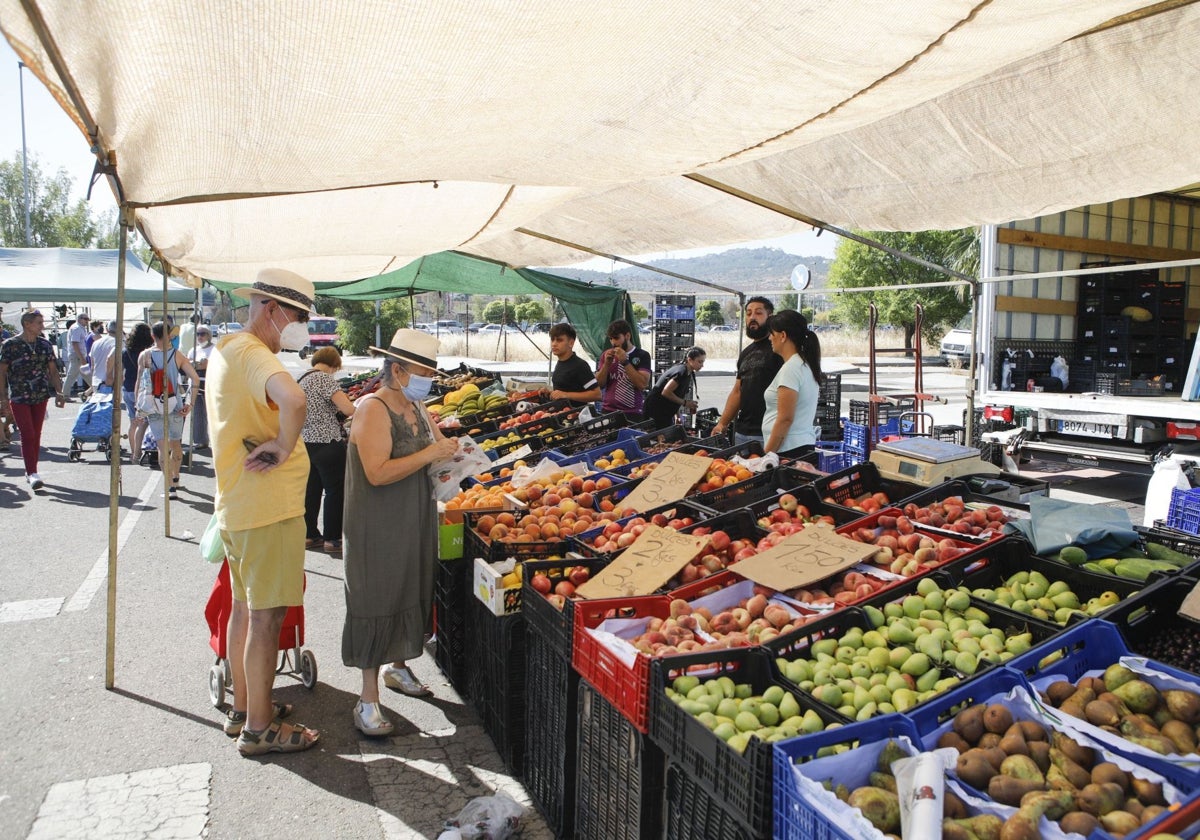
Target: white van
956,344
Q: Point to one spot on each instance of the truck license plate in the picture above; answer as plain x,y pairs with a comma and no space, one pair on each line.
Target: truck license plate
1076,427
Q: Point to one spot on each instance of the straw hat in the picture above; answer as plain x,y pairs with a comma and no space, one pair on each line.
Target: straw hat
285,286
412,346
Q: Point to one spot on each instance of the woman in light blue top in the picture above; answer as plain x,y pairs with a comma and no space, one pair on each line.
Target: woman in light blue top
791,398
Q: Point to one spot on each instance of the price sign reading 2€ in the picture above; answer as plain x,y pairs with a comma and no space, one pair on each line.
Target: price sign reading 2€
670,481
803,558
652,560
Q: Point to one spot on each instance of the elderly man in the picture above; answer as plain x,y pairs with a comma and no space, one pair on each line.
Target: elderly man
256,411
77,355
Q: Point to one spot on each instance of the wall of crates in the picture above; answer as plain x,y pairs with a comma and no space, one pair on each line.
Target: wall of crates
674,329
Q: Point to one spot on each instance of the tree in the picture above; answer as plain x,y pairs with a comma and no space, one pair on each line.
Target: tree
788,301
54,220
858,265
708,314
640,313
356,320
498,311
530,312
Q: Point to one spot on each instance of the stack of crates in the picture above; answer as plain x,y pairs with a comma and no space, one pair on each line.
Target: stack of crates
674,329
829,408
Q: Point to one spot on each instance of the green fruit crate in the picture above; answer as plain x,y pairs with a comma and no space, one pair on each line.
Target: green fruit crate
551,704
794,817
619,775
739,782
692,812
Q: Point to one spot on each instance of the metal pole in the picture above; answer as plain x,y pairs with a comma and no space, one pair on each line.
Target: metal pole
114,467
378,342
165,463
24,157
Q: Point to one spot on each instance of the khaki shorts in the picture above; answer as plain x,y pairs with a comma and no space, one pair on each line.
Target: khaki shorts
266,565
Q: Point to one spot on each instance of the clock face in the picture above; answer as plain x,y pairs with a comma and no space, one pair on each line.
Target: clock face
801,277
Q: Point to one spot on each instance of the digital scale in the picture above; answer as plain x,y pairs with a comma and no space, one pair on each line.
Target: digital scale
927,462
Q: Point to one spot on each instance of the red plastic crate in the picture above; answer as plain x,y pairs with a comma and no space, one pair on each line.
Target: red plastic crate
627,688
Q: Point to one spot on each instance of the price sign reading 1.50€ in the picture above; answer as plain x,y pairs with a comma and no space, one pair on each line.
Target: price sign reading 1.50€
670,481
652,560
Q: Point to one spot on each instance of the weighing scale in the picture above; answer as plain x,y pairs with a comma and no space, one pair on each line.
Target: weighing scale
927,462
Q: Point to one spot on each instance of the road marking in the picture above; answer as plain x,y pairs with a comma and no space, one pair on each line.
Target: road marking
29,610
163,802
91,584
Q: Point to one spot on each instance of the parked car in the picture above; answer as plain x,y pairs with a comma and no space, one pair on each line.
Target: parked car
541,327
448,327
322,332
226,328
495,329
723,328
476,326
956,344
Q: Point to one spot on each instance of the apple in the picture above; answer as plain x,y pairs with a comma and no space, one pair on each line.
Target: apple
565,588
541,582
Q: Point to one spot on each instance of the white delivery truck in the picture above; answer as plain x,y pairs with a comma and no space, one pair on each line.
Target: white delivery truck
1091,327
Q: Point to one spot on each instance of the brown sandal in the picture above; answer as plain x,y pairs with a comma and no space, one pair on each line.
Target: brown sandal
273,740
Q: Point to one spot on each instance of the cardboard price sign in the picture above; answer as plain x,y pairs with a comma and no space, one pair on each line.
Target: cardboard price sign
803,558
1190,608
670,481
652,560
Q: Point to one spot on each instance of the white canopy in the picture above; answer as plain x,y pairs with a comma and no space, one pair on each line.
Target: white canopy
344,139
87,275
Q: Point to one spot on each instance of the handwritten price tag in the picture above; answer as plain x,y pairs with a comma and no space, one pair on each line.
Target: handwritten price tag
803,558
1190,608
669,482
652,560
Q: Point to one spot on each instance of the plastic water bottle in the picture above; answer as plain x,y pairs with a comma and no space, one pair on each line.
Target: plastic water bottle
684,417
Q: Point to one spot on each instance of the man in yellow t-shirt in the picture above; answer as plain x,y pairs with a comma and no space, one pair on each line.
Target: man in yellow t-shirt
256,411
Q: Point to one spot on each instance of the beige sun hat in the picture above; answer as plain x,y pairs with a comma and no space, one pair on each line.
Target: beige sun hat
285,286
413,346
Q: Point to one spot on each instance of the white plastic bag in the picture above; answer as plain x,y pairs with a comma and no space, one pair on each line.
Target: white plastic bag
757,465
468,461
1060,371
1168,476
487,818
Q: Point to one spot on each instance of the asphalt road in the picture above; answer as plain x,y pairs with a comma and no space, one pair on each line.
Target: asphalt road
148,758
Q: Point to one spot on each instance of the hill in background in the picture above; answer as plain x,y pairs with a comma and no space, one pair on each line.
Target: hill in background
744,269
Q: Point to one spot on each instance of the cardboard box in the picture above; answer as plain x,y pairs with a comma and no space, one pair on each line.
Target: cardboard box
487,588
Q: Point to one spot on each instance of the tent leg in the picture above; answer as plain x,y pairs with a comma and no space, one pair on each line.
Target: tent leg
165,463
114,466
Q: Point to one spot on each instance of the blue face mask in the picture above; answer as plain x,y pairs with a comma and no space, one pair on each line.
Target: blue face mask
418,387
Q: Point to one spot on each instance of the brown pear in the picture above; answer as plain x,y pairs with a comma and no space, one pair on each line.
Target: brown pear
1106,771
1181,735
1039,751
1147,792
969,723
997,718
1184,705
1058,692
1032,730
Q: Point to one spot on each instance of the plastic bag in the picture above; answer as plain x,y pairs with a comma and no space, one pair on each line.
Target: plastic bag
1168,475
757,465
486,818
1060,371
468,461
1054,523
212,548
543,469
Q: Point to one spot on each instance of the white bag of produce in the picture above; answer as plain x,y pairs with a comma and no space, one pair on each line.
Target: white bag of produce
446,476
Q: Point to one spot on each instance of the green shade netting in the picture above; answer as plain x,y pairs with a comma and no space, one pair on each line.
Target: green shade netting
590,309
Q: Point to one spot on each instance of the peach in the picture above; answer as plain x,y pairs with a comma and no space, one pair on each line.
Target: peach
680,607
756,605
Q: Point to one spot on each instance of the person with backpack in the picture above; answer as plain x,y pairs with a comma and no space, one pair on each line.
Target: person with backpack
159,395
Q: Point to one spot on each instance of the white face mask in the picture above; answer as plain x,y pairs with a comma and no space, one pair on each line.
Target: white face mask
294,336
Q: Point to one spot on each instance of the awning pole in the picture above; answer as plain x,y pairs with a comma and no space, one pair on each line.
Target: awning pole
114,466
165,463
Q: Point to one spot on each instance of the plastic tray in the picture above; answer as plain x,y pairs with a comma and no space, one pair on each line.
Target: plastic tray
543,619
496,672
584,543
630,447
962,541
863,478
450,590
793,817
692,812
551,704
619,777
476,545
671,436
946,490
741,783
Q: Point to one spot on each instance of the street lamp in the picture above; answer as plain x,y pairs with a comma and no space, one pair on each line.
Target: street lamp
24,156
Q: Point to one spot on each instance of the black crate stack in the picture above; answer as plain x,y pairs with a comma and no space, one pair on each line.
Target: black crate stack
1129,334
1030,361
451,587
829,408
674,329
496,678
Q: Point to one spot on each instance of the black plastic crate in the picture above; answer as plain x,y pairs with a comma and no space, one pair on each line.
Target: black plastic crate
764,485
619,776
492,551
807,497
853,482
554,626
1152,627
1174,539
692,812
551,704
450,590
670,437
584,544
496,673
706,419
947,489
741,782
860,410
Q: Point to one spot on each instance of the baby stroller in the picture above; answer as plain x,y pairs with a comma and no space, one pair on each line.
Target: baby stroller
93,425
291,638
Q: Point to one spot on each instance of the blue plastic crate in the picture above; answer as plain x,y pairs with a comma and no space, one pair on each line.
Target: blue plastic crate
831,456
794,818
854,436
1184,512
632,451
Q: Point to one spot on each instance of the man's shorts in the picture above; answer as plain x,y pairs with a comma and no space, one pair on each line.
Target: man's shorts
174,424
266,565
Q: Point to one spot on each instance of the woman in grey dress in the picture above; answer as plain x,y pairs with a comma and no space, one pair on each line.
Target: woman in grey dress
390,526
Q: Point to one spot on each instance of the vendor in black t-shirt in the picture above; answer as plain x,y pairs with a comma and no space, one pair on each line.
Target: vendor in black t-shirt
675,390
757,365
573,378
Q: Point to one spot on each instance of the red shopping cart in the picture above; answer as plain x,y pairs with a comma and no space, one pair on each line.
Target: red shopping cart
292,662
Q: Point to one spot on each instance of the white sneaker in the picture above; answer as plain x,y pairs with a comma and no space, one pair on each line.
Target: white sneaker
35,481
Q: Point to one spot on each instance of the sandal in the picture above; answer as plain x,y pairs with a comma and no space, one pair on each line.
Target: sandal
333,546
235,720
273,740
405,681
313,543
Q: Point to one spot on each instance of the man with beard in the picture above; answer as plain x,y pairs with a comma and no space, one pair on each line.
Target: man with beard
757,365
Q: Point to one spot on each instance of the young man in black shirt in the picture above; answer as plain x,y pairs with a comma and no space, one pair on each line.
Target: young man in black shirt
572,378
757,365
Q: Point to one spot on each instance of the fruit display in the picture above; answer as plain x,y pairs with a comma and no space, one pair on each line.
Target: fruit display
903,550
558,585
620,534
560,505
1022,763
616,458
749,621
1129,563
530,417
791,512
491,443
953,514
735,714
839,590
1174,642
360,385
1120,702
468,401
1034,595
866,502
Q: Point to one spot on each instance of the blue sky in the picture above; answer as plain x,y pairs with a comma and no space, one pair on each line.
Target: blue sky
56,143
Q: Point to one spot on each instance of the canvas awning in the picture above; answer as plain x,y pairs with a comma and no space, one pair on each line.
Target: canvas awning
589,308
350,138
84,275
